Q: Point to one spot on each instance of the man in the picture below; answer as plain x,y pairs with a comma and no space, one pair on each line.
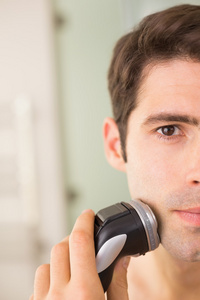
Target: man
154,82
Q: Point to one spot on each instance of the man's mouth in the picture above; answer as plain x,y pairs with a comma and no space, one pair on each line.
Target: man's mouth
190,215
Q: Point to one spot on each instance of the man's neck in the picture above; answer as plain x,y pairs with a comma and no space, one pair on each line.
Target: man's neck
179,274
157,275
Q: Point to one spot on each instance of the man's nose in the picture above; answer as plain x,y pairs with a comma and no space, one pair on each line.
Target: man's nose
193,165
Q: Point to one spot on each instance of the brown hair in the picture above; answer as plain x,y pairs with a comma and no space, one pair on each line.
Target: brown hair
169,34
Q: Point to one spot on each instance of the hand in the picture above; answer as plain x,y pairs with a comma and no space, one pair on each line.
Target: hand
72,271
118,288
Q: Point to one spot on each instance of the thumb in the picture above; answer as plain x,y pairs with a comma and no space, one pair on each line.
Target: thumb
118,288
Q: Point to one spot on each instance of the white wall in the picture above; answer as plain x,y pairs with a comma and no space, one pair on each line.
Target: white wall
32,214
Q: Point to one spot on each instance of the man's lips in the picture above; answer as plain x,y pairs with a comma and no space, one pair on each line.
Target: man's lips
190,215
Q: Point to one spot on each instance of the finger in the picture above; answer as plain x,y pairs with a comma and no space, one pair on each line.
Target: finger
81,244
42,282
118,288
60,266
31,297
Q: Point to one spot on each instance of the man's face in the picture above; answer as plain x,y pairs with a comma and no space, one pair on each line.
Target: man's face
163,151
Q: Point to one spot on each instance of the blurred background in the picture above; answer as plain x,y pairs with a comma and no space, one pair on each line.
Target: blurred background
54,57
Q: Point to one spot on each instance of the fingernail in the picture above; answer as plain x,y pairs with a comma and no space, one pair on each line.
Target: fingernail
86,211
126,262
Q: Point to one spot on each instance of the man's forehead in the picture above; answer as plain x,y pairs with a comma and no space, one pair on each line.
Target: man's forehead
170,84
170,92
170,72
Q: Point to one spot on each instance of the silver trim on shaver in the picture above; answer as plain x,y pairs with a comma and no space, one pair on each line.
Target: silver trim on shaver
149,222
109,251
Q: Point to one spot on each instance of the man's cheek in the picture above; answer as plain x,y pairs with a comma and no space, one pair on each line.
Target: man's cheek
144,184
153,175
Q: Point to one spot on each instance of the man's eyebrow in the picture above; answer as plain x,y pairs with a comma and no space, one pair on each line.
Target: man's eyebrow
171,117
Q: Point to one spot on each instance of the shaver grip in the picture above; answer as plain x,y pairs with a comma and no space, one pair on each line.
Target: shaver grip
106,275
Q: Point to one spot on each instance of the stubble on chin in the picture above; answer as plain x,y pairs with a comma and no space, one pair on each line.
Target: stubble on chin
182,241
180,248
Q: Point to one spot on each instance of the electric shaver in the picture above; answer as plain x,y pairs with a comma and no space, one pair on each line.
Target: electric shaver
123,229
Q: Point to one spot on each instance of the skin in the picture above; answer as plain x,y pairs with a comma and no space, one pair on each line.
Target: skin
72,273
163,170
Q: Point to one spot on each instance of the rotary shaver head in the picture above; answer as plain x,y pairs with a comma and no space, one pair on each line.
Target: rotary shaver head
123,229
149,222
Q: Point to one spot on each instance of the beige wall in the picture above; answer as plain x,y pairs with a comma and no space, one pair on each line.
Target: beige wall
85,44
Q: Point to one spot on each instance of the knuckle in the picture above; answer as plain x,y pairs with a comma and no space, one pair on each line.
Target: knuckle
59,249
42,269
85,294
55,294
120,283
82,293
80,237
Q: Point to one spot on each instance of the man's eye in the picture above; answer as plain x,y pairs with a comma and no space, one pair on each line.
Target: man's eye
168,130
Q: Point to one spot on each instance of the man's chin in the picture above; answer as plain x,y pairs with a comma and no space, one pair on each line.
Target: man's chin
182,251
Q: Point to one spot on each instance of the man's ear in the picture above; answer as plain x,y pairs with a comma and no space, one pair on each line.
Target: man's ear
112,145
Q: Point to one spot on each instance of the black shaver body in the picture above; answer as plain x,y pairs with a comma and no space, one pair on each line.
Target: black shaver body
123,229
